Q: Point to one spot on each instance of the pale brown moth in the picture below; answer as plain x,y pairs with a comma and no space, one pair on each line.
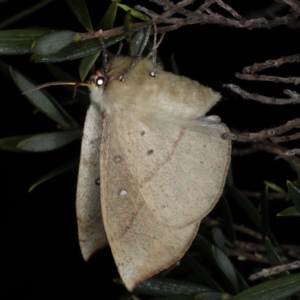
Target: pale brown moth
152,166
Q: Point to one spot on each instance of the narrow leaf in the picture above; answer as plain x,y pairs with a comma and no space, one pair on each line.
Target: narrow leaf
227,268
109,17
77,50
265,212
289,212
18,41
134,13
68,166
11,143
42,101
49,141
294,192
274,187
86,64
275,289
158,286
81,12
218,238
53,42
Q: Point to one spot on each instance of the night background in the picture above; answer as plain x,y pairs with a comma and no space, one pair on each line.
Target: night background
40,255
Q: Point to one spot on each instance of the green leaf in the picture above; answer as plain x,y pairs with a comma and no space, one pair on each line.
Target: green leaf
134,12
18,41
53,42
77,50
68,166
189,297
274,258
274,187
49,141
226,268
11,143
218,238
245,205
265,212
201,272
24,13
275,289
224,209
294,192
289,212
109,17
81,12
158,286
212,296
86,63
42,101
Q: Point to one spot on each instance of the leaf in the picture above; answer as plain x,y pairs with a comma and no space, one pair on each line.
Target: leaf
109,17
68,166
289,212
158,286
86,64
53,42
77,50
224,209
218,238
274,258
11,143
265,212
134,12
274,187
18,41
49,141
294,192
202,273
23,13
81,12
42,101
212,296
226,268
275,289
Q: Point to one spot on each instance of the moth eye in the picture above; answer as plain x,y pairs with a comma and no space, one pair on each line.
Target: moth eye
100,81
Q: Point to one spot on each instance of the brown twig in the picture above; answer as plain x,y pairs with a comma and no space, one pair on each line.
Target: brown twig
264,134
248,231
272,148
271,63
270,196
276,79
260,98
275,270
285,138
248,256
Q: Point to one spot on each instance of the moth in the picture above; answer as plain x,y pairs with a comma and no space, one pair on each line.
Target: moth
152,165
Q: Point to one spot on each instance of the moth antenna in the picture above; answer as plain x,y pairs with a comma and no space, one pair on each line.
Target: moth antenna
138,56
41,86
120,48
104,53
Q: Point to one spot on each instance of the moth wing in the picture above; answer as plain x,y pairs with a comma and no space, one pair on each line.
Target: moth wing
91,232
157,182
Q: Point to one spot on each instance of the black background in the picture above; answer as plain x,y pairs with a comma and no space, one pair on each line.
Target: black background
40,253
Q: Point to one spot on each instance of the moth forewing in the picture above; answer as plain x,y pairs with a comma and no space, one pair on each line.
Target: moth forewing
91,232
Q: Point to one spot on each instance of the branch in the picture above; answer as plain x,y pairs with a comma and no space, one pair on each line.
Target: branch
260,98
275,270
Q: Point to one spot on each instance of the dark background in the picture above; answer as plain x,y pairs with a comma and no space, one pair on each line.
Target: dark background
40,256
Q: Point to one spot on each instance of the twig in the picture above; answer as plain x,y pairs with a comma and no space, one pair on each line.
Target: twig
276,79
271,63
285,138
272,148
292,152
248,231
252,257
264,134
260,98
275,270
229,9
270,196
